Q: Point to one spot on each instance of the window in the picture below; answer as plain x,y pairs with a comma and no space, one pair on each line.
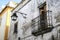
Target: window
15,27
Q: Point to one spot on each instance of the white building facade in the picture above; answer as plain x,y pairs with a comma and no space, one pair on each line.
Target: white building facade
26,11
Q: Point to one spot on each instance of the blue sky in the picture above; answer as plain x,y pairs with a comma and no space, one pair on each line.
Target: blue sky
4,2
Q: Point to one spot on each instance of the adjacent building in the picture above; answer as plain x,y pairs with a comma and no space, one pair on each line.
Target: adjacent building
5,20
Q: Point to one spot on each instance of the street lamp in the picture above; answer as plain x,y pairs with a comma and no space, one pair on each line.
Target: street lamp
14,17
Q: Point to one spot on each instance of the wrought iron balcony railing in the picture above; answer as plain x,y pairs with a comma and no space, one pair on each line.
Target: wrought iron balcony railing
41,25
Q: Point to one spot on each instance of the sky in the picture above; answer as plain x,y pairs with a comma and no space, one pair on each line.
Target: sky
4,2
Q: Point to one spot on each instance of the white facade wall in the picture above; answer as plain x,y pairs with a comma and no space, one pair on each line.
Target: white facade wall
2,27
53,5
32,11
24,25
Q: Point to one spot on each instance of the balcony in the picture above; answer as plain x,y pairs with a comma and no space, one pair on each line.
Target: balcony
40,25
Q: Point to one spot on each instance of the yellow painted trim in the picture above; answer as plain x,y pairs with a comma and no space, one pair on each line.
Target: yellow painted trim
7,24
5,9
6,33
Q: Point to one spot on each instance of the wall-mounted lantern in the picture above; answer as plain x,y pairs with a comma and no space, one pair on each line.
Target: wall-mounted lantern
14,17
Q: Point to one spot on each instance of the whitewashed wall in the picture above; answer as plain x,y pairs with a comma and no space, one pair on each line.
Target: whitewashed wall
2,27
54,6
24,28
32,11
